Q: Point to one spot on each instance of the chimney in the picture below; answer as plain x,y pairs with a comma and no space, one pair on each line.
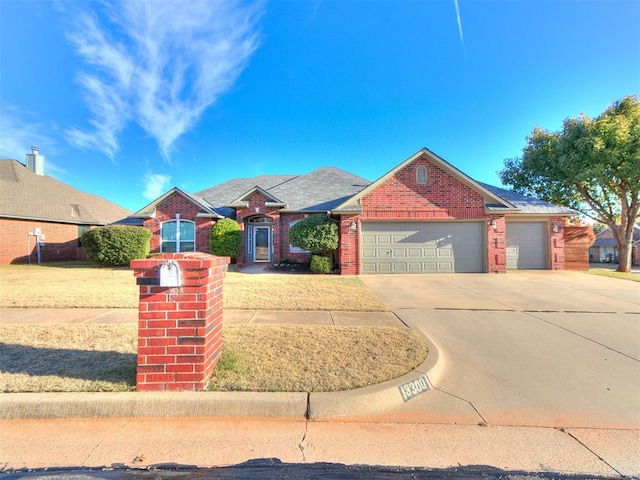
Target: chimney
35,161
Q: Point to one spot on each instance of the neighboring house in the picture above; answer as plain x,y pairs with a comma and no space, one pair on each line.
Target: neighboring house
423,216
605,248
34,206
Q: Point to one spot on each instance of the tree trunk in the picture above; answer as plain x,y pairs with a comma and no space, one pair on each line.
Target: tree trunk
624,262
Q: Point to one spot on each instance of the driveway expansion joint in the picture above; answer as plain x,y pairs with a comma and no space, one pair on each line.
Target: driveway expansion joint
403,322
483,423
573,437
549,322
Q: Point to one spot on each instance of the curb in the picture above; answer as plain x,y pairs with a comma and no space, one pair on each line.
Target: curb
377,399
370,400
15,406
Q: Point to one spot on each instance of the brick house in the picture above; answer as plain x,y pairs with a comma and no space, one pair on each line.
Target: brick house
422,216
32,203
605,247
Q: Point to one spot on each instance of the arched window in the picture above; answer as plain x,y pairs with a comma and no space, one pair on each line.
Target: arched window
421,175
178,236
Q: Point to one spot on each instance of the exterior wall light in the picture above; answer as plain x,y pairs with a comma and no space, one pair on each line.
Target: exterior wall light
493,224
353,227
555,228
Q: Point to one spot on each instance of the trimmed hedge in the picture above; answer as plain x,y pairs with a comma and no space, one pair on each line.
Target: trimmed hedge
116,245
316,233
320,264
225,238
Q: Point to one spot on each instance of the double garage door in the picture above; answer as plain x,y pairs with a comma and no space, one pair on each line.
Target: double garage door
423,247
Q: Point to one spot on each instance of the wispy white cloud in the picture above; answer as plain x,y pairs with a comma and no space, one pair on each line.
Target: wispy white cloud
158,64
154,185
19,131
459,22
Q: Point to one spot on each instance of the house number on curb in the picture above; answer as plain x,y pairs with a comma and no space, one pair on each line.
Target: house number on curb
413,388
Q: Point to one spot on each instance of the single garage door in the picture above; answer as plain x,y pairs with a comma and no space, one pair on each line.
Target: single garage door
526,245
422,247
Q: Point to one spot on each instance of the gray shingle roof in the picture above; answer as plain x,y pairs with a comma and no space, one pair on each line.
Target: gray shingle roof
23,194
317,191
606,239
529,205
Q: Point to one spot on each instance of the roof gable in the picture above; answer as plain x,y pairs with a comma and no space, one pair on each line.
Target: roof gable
205,209
25,195
243,200
353,203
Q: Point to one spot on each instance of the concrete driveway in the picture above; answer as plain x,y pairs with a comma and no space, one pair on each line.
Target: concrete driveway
545,349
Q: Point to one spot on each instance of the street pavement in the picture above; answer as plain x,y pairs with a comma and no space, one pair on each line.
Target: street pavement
531,371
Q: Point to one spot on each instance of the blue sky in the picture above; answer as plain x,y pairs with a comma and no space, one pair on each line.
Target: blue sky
127,99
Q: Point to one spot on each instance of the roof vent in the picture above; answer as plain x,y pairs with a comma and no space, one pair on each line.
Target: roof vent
35,161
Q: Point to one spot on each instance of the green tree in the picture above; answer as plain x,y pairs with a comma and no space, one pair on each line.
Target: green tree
591,165
316,233
598,227
225,238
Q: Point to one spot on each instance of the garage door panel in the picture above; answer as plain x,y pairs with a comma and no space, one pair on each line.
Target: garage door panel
526,247
422,247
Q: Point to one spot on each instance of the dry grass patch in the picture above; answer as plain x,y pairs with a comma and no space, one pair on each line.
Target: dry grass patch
67,285
85,285
68,358
305,358
102,358
299,292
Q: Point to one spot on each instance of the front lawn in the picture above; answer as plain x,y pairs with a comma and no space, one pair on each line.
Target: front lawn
102,358
84,285
94,357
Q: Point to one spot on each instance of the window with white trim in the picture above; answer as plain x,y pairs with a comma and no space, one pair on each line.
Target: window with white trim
178,236
421,175
293,249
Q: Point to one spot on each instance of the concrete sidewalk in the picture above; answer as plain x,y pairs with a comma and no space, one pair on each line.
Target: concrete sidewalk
130,315
144,442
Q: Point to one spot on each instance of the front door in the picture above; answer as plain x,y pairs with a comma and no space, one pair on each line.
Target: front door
262,244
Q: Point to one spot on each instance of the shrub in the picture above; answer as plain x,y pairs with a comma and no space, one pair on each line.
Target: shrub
316,233
116,245
320,264
225,238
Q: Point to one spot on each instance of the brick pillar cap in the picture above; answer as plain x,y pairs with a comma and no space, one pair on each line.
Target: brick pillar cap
186,260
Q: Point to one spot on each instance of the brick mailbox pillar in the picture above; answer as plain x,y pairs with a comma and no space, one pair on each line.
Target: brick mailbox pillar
179,327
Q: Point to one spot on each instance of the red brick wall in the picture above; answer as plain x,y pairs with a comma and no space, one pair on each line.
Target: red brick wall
179,328
443,197
556,251
61,242
496,245
167,210
349,246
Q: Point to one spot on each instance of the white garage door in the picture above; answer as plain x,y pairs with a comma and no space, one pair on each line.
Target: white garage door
422,247
526,245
